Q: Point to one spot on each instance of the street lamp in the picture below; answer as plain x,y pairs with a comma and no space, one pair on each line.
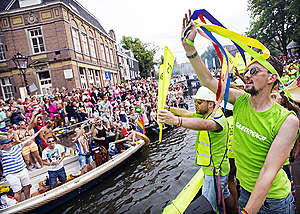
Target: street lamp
21,63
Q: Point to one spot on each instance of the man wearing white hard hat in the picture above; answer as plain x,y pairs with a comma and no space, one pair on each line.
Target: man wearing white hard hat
264,132
211,142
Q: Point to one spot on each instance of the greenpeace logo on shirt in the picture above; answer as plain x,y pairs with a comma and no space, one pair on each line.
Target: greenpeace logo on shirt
249,131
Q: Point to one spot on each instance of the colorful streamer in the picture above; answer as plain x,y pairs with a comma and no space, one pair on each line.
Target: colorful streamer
243,44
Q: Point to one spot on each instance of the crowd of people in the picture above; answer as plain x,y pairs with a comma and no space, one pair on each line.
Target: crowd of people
29,129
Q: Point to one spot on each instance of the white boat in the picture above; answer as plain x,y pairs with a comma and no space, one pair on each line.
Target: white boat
47,201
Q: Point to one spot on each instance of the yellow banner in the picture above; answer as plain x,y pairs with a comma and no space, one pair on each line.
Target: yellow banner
165,72
185,197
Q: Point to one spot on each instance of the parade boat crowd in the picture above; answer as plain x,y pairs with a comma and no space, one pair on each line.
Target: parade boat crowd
30,129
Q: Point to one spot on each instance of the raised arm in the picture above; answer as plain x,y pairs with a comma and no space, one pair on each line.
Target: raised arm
277,155
200,69
31,138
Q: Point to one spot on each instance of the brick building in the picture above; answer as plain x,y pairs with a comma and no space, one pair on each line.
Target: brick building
129,66
66,45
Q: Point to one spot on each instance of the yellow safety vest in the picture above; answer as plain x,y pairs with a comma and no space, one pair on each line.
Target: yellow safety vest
203,146
230,136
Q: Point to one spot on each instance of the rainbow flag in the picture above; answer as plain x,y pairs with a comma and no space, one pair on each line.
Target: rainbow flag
12,138
70,151
116,116
140,125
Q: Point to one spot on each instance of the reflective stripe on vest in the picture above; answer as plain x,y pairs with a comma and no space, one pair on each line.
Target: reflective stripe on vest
203,146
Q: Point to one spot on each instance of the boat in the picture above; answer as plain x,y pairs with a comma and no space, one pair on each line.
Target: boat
42,202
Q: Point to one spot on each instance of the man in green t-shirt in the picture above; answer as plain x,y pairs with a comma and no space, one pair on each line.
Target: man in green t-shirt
211,142
264,133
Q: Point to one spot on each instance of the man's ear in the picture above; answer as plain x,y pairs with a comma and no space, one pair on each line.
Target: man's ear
272,78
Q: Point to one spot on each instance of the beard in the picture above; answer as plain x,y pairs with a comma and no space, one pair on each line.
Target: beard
252,91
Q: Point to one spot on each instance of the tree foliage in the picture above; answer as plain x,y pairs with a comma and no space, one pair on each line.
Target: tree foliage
143,52
275,23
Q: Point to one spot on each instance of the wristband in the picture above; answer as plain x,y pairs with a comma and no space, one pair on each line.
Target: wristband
244,211
189,42
193,55
179,121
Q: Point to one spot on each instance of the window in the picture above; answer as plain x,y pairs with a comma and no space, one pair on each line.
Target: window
37,41
102,51
26,3
97,78
76,40
108,56
2,54
91,76
85,44
7,88
82,78
45,82
112,56
92,46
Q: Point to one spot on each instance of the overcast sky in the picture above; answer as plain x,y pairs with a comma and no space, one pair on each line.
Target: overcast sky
159,21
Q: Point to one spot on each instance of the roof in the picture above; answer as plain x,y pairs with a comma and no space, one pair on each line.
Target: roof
4,4
77,7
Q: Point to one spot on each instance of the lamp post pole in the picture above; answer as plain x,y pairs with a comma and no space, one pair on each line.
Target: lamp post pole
21,63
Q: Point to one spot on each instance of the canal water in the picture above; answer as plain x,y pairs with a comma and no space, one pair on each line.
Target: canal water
148,182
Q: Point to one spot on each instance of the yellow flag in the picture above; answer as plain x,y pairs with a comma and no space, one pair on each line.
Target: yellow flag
185,197
165,72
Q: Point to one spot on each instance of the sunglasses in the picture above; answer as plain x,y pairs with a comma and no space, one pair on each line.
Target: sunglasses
253,71
199,101
51,141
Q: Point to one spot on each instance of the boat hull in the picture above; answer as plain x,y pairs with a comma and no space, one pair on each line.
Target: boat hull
47,201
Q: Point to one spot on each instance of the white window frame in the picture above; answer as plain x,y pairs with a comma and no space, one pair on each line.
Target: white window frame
97,78
2,53
83,81
85,44
91,76
8,86
103,56
76,41
37,34
45,88
92,46
112,56
108,58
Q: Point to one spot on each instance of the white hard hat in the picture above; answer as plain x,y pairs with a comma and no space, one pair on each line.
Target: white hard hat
239,82
204,93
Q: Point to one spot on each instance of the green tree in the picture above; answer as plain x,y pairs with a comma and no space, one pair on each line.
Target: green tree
275,23
143,52
210,54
